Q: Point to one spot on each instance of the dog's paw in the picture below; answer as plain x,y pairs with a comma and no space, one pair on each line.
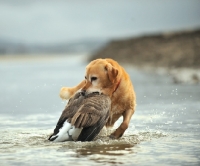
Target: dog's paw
65,93
112,136
115,135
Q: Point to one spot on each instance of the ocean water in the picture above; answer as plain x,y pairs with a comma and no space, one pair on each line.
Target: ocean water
165,129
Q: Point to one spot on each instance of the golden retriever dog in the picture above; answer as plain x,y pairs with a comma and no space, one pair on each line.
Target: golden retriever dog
108,77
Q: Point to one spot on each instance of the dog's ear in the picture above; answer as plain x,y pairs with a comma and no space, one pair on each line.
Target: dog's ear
112,72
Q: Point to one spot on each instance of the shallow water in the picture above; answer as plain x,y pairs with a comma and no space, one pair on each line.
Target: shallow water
165,129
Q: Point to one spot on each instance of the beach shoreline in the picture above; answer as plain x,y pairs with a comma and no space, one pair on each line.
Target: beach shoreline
178,54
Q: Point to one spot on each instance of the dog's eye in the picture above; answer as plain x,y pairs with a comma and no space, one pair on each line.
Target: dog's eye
93,78
85,77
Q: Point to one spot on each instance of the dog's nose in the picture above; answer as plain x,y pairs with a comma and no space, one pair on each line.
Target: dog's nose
83,92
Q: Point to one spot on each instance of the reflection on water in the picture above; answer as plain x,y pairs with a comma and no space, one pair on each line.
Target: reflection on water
33,142
106,153
111,150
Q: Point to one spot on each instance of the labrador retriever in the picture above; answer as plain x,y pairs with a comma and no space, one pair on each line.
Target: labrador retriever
108,77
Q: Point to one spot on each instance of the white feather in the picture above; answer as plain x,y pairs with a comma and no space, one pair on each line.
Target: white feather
67,133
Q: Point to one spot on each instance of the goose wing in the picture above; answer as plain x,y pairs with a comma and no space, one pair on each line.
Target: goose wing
92,116
72,106
89,112
93,109
89,133
69,111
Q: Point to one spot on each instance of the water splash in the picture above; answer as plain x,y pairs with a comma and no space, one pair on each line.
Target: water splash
13,139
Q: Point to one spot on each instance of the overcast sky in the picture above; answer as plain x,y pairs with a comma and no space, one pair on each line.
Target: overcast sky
47,21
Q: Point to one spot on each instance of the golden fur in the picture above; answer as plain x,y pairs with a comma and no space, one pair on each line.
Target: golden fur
108,77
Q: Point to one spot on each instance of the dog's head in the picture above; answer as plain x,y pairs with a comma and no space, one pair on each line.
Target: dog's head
102,75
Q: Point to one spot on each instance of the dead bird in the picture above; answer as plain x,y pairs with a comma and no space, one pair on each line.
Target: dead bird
83,117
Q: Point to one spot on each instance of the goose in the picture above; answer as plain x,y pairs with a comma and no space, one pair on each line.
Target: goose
83,117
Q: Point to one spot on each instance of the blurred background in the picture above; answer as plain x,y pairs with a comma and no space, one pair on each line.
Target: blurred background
60,27
46,44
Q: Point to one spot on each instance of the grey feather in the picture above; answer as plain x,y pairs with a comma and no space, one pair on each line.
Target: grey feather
89,112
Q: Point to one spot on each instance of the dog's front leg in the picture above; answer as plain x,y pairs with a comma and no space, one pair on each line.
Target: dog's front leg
67,92
124,125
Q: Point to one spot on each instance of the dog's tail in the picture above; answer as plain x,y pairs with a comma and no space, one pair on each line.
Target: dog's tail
67,92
